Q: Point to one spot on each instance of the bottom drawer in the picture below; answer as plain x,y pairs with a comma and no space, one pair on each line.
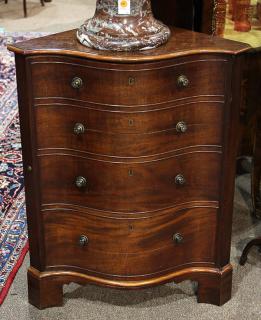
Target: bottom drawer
130,247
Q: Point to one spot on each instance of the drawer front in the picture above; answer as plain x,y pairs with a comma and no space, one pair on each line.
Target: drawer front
115,84
128,134
130,247
129,187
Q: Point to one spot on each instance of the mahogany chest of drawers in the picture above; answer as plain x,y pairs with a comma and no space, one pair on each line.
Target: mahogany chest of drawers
129,162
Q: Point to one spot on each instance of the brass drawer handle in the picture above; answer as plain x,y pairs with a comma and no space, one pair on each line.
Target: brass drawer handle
77,83
182,81
180,180
178,238
81,182
79,128
181,127
83,240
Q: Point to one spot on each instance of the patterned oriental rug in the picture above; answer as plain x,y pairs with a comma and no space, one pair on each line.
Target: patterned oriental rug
13,227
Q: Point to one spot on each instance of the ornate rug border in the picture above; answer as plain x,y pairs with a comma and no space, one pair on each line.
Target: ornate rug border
13,273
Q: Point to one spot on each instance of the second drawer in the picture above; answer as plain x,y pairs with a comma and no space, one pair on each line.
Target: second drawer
129,134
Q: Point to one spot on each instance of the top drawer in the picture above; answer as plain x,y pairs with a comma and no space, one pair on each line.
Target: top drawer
127,84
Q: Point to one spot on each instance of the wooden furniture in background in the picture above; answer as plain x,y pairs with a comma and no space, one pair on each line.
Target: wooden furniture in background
189,14
255,84
253,243
25,6
252,121
180,13
129,163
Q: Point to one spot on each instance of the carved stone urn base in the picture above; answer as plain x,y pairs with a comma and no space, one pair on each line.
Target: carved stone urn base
110,30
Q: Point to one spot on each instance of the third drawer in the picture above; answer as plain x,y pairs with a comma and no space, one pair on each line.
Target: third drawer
130,187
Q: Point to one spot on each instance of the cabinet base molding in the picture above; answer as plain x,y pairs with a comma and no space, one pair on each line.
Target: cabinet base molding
45,289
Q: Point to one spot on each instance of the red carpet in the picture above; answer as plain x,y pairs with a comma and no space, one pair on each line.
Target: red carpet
13,226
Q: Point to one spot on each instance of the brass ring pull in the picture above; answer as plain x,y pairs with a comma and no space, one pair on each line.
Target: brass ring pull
79,128
181,127
178,238
77,83
182,81
83,240
180,180
81,182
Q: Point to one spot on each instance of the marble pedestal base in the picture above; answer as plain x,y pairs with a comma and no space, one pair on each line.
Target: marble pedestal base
109,30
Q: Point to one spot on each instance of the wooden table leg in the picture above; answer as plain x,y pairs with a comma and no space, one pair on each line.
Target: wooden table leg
252,122
256,169
25,9
254,242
